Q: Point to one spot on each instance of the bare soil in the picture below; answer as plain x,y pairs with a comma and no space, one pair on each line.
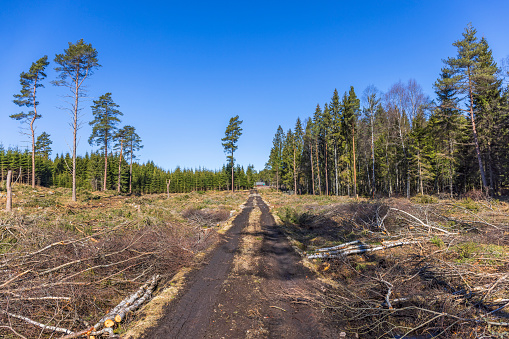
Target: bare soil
243,290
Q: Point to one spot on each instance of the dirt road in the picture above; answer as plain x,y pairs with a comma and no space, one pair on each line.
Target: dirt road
243,290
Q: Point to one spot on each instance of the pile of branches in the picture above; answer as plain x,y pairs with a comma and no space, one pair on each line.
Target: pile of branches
206,217
428,289
61,281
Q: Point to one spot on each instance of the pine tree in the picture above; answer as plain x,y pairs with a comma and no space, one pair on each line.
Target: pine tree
76,64
43,145
29,83
104,127
229,142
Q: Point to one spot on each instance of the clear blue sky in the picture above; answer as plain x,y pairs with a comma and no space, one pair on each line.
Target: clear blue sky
180,70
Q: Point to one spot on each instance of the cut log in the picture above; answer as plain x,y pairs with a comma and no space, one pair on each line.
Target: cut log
362,248
130,303
109,322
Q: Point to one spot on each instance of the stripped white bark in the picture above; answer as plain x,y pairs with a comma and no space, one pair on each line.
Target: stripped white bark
126,305
328,249
33,322
362,248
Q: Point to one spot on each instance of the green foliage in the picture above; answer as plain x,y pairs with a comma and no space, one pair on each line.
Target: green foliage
471,205
76,63
438,242
232,134
104,125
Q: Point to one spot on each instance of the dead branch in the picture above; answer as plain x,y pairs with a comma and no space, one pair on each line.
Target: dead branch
421,222
35,323
361,248
13,331
334,248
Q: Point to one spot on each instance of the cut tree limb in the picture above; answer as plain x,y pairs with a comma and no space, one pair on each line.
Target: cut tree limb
38,324
420,221
362,248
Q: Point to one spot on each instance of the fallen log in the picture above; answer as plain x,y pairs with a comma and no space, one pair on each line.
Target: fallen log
362,248
124,307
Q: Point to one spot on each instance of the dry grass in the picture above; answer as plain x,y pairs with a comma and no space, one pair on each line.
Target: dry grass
452,283
66,264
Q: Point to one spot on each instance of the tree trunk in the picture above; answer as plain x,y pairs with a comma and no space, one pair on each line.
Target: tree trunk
477,150
232,173
120,164
336,180
33,131
105,162
8,206
75,131
294,172
421,186
318,169
354,165
326,172
373,159
277,178
131,170
312,167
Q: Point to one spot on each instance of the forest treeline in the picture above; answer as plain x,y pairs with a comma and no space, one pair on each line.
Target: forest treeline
403,142
146,178
101,170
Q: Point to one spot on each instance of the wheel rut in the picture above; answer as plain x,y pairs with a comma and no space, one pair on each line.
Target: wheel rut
244,290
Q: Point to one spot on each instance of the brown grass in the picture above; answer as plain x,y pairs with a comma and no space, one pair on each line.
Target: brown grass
451,285
66,264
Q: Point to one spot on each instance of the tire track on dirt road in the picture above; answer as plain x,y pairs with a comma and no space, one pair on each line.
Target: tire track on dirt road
245,289
188,316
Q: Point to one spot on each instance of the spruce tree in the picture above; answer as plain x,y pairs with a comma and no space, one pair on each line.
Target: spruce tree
133,144
468,78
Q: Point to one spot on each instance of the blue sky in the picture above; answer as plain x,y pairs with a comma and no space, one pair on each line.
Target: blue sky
180,70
